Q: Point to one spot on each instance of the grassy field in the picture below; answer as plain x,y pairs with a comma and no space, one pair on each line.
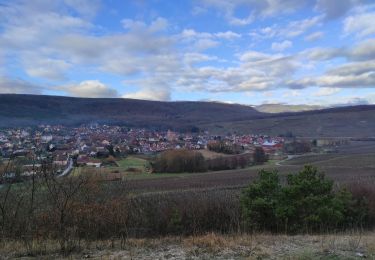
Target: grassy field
133,162
131,167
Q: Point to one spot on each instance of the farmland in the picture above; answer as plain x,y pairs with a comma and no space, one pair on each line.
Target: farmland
347,166
352,163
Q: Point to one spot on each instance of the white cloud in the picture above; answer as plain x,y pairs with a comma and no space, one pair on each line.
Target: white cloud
281,46
334,9
254,8
203,44
296,28
253,56
17,86
157,25
28,29
87,8
150,94
323,53
364,50
256,71
200,41
360,25
354,68
314,36
326,92
37,29
191,34
89,88
45,68
228,35
350,75
191,58
48,39
291,30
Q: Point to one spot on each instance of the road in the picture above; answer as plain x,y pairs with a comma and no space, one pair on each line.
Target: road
68,169
279,163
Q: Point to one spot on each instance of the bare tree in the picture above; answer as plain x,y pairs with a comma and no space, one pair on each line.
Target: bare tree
61,193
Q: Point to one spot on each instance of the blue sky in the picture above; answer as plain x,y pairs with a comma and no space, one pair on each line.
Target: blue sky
241,51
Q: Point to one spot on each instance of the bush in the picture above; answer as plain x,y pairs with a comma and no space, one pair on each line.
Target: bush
259,201
184,213
309,203
364,196
306,203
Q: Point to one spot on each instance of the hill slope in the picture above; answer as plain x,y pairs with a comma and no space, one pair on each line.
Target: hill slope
34,109
351,121
25,110
282,108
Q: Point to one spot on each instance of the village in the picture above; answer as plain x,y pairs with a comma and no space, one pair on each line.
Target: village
90,144
101,146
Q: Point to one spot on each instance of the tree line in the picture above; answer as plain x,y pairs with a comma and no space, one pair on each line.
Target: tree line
223,147
178,161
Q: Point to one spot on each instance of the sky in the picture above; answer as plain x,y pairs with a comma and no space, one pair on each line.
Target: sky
314,52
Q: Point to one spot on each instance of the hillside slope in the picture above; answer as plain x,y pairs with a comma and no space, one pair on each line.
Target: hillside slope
27,110
33,109
352,121
282,108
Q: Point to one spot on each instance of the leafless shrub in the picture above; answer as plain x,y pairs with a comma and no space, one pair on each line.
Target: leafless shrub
365,194
185,213
67,209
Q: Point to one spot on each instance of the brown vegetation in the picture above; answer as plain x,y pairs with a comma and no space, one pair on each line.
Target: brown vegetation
73,211
179,161
64,209
350,245
223,147
365,192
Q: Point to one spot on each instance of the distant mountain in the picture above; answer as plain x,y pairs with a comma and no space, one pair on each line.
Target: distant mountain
30,110
281,108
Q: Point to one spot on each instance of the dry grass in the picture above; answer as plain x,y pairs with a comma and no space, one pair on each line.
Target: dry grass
210,242
32,248
259,246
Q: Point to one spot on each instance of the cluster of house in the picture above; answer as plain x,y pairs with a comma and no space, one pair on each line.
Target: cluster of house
89,144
